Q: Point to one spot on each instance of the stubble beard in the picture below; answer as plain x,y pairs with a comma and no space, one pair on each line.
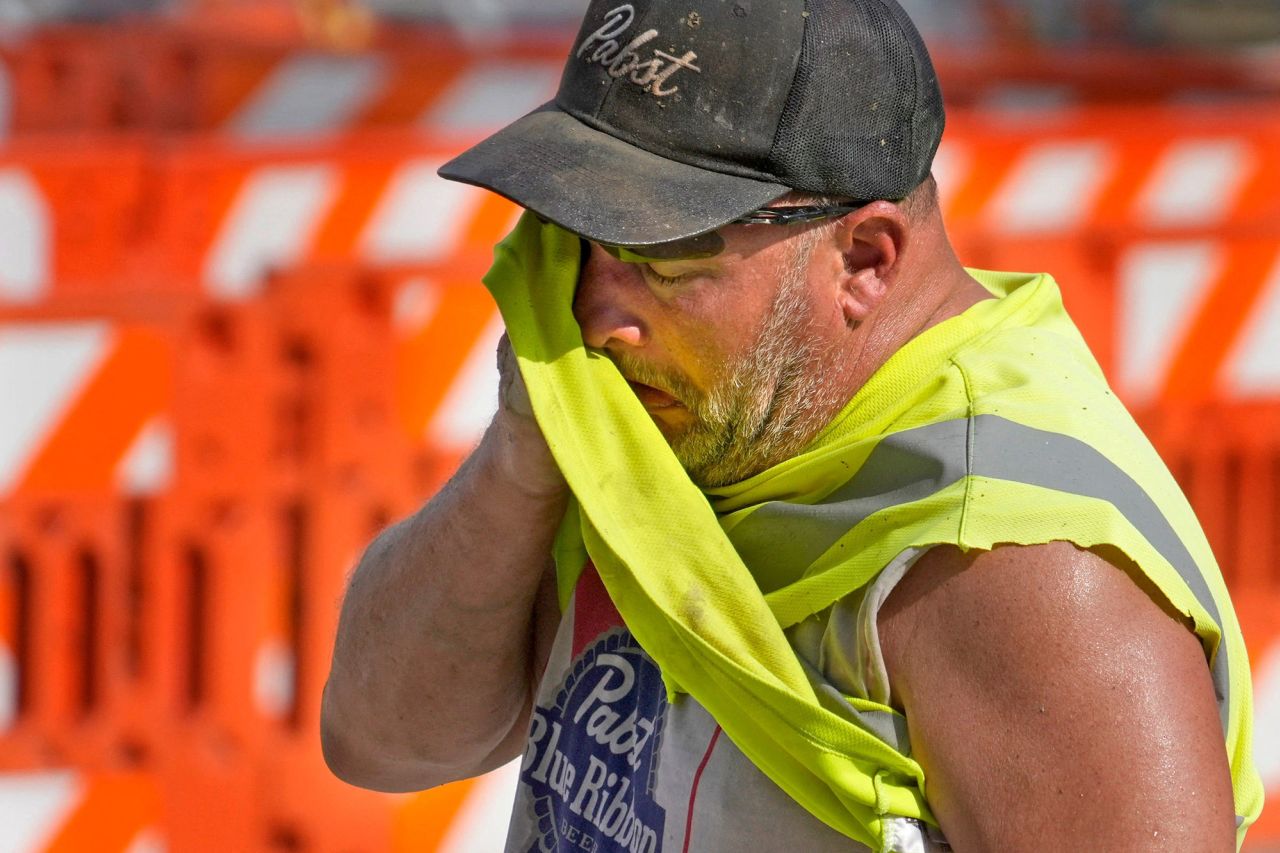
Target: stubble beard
770,404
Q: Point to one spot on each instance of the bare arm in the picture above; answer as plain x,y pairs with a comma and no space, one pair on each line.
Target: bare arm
448,619
1055,706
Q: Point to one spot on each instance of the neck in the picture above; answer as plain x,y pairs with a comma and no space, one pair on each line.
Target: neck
925,301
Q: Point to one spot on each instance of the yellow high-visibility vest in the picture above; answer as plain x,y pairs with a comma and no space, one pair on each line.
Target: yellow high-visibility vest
993,427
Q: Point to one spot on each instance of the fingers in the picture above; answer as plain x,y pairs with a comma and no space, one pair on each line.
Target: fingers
523,454
512,393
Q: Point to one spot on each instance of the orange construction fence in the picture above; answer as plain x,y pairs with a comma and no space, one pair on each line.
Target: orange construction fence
1163,229
167,618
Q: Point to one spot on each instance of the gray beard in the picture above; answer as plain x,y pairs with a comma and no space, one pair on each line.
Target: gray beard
771,405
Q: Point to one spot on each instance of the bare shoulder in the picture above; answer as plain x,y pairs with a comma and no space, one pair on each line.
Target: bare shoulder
1051,698
1052,604
1025,588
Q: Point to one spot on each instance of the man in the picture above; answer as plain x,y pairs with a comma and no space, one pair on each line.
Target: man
1003,629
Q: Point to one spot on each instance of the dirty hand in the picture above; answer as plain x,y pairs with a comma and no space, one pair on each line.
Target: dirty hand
522,451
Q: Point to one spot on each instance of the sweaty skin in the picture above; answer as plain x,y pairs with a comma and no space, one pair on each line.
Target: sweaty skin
1055,706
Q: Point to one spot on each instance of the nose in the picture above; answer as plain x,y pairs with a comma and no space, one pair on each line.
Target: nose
608,302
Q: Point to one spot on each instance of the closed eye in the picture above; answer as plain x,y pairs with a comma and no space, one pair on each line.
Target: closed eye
664,280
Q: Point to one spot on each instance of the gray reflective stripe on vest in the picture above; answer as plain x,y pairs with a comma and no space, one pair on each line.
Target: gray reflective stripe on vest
1004,450
912,465
903,468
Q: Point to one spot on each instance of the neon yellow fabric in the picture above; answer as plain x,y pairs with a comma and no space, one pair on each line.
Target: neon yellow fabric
665,551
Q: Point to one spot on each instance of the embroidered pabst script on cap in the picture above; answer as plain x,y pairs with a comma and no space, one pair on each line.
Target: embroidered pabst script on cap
605,47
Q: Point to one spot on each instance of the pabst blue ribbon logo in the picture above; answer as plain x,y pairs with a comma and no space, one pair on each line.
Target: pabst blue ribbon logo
606,47
591,755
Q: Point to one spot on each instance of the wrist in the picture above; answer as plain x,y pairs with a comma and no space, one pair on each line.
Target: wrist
519,456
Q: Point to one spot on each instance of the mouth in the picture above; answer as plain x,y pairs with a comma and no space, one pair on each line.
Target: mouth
652,398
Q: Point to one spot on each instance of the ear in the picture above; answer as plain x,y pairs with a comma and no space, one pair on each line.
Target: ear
872,242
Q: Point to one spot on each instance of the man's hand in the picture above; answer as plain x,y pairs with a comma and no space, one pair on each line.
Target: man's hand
1055,706
522,451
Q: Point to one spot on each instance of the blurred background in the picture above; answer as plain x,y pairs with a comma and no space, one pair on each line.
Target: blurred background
241,331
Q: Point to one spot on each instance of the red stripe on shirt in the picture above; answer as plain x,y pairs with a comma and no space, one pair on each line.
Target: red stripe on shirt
693,792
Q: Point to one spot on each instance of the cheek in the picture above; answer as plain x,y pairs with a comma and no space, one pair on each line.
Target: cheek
733,310
712,337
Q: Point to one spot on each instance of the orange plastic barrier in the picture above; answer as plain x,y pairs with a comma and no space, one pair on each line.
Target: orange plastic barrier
168,600
1163,235
1021,76
228,217
121,666
72,214
63,79
1227,459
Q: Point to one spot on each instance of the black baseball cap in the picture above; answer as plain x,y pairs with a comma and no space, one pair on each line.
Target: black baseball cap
675,117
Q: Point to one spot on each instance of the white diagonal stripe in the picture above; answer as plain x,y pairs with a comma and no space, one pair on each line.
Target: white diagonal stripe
492,94
147,466
421,216
1052,188
308,95
1161,288
275,677
951,20
1266,716
148,840
472,400
481,824
43,368
33,806
26,238
9,679
1195,183
1253,368
1027,99
416,302
949,167
269,225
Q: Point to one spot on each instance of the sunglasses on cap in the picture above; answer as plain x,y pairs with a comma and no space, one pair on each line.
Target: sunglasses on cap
710,244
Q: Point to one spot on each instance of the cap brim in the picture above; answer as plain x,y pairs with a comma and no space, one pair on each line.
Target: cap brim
602,188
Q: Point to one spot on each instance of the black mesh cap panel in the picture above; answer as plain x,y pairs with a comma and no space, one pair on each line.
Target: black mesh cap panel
865,116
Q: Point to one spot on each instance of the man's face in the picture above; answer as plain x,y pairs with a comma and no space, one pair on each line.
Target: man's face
727,354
